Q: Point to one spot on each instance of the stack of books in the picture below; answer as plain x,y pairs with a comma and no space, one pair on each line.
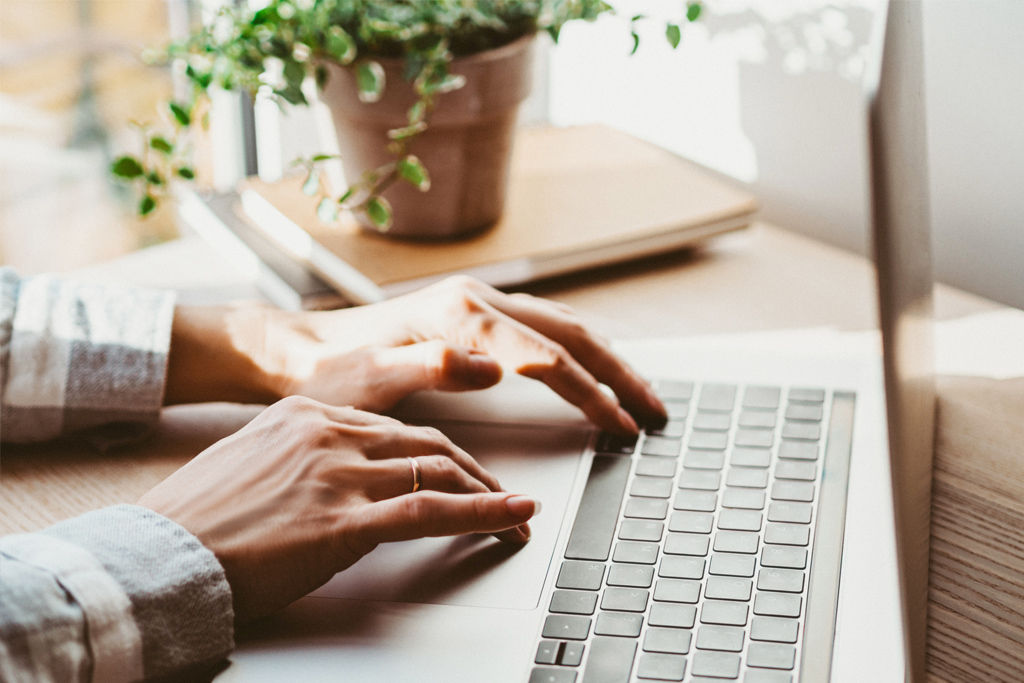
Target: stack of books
579,198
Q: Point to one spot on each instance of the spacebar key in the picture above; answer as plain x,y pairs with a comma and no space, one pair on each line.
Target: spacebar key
594,528
610,660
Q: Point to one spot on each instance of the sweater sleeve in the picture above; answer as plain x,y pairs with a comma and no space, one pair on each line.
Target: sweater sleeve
119,594
77,357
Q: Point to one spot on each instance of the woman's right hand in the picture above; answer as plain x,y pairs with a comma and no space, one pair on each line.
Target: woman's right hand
305,489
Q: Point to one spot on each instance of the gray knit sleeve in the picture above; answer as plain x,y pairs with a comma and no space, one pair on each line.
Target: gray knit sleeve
118,594
77,357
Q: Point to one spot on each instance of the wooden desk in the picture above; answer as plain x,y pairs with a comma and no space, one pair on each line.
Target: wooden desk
763,279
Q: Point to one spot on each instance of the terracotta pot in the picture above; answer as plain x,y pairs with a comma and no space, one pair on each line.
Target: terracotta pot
466,149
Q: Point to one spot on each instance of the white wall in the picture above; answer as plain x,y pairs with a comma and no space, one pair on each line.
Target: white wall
769,93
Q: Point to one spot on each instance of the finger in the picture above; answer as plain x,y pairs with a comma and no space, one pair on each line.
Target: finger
436,364
430,513
559,323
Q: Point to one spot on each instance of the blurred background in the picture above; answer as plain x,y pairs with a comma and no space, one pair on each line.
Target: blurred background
765,93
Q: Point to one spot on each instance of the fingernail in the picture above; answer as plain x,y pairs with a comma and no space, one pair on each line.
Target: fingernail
522,506
627,421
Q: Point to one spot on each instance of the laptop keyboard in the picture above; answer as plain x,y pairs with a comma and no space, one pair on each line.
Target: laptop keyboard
689,556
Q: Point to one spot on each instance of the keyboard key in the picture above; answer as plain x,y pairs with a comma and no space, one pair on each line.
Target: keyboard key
677,590
674,389
610,660
740,520
673,429
796,469
572,602
659,667
713,441
700,479
658,445
566,627
767,676
807,431
805,395
547,652
687,544
672,614
722,638
636,553
743,456
784,580
736,541
801,491
544,675
729,564
712,422
677,410
681,567
598,512
772,604
728,588
704,460
725,613
651,487
771,656
798,450
756,438
633,575
774,629
641,530
750,419
787,534
615,443
652,466
572,654
625,599
669,640
749,499
697,501
784,556
762,398
717,397
646,508
796,513
803,411
747,477
618,624
582,575
693,522
715,664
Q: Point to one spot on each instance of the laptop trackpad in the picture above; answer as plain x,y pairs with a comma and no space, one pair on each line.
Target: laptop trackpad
478,570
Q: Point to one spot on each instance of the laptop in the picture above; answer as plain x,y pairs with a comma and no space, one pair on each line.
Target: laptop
756,536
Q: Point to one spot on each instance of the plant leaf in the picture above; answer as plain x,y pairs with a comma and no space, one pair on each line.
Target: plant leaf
312,184
348,195
146,205
412,170
327,210
378,210
321,75
673,34
340,45
180,113
693,11
370,80
636,42
161,144
323,157
154,178
126,167
186,172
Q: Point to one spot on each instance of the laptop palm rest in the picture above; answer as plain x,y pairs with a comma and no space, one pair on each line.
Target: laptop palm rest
478,570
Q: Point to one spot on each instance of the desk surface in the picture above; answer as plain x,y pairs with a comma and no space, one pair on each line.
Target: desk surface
764,279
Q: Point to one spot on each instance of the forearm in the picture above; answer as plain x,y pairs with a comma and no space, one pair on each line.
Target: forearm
221,353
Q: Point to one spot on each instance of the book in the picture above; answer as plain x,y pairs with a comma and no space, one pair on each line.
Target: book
579,197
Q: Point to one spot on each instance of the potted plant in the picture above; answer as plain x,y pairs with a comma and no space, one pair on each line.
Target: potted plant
424,95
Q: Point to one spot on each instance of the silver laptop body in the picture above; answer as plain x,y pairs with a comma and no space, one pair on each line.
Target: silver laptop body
751,538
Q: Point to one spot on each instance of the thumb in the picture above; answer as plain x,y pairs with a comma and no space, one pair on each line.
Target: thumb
437,364
431,513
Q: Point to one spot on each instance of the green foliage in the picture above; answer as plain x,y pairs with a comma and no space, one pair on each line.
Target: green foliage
276,48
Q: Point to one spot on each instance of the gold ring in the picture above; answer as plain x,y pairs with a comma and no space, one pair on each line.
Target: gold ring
417,475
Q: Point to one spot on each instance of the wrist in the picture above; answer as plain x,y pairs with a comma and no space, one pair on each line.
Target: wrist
220,353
